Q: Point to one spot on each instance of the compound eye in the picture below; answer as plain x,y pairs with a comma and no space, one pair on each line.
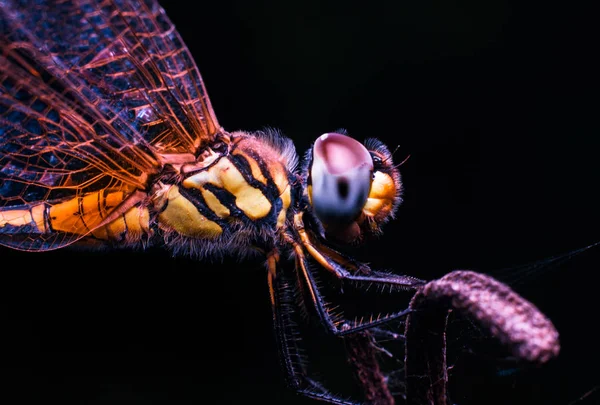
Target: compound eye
341,175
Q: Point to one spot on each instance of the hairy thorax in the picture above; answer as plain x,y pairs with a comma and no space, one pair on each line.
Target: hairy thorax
237,194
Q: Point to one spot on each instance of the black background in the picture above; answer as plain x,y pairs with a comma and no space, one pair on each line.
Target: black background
494,102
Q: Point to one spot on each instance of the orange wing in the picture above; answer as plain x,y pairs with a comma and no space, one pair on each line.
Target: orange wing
91,93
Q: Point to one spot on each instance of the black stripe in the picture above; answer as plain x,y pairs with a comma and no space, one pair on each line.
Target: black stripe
99,203
228,200
270,190
105,194
81,212
47,218
163,208
273,191
241,163
197,199
264,169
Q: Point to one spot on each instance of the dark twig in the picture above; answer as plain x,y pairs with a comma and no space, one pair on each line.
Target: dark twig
362,356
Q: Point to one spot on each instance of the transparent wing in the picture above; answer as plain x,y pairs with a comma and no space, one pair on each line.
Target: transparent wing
91,93
128,55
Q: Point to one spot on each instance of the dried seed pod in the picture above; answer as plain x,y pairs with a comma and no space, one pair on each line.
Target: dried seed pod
507,316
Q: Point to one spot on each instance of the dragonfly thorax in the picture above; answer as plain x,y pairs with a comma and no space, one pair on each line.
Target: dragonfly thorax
242,189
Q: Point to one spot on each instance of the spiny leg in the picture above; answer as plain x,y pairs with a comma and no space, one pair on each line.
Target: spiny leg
337,324
283,300
345,270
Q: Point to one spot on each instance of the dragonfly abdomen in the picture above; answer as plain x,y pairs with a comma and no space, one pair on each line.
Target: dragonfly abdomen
95,215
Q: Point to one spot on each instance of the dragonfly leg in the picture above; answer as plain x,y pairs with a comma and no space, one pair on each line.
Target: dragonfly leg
337,324
282,289
345,269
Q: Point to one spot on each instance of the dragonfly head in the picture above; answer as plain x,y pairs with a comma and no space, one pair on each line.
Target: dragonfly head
353,188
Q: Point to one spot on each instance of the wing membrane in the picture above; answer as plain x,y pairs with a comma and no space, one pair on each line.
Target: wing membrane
91,93
130,56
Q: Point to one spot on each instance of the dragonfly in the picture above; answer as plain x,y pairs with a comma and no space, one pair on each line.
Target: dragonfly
108,138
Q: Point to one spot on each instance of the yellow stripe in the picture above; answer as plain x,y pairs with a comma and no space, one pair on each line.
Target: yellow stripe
279,175
224,174
116,228
102,233
182,216
214,204
21,217
286,199
254,167
136,222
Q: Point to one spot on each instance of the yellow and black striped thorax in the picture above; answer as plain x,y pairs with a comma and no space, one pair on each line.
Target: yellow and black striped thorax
245,185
